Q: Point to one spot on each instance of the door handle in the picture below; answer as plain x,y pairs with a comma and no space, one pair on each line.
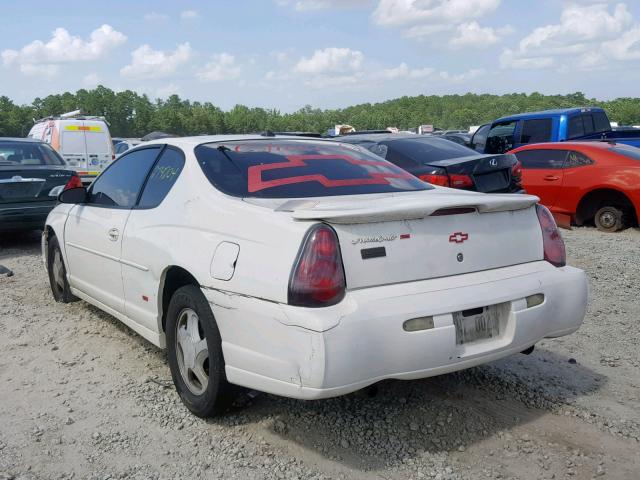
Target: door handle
114,234
551,178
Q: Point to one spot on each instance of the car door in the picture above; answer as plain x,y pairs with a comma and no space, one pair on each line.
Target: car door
93,231
145,241
542,173
500,138
479,138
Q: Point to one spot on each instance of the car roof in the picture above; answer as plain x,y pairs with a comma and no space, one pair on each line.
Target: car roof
190,142
548,113
377,137
567,145
20,140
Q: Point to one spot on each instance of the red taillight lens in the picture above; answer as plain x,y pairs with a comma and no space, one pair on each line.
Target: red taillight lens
433,179
74,182
442,179
460,181
318,279
516,170
554,251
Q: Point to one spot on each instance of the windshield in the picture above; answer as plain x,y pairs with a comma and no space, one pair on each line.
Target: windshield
27,153
299,168
627,151
428,149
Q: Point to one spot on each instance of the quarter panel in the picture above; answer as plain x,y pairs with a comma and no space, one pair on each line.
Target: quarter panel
187,228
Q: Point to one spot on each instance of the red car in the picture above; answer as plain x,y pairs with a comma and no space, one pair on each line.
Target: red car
583,182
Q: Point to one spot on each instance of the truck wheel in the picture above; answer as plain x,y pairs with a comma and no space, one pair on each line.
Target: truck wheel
609,219
194,350
58,274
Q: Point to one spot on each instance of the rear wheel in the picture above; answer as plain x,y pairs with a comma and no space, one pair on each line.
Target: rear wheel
609,219
58,274
194,350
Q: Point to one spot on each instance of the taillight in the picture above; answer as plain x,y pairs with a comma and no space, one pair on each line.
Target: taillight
318,279
516,170
435,179
554,251
74,182
460,181
439,176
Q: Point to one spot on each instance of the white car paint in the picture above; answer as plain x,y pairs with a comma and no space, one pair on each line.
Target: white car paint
242,251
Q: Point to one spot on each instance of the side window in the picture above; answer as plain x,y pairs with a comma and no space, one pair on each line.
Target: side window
577,159
587,121
576,128
121,148
398,158
541,159
162,178
536,131
601,122
500,137
119,185
379,149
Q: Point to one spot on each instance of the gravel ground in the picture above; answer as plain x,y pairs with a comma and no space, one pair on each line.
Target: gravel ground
82,396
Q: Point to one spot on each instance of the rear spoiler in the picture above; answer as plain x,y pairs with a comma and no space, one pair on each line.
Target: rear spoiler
403,208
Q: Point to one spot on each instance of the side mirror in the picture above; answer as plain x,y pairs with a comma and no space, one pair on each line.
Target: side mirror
73,196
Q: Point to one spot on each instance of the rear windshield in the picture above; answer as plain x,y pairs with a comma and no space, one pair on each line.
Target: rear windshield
627,151
429,149
299,168
27,153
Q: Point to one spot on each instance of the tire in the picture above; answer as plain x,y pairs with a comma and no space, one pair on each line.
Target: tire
194,351
58,274
609,219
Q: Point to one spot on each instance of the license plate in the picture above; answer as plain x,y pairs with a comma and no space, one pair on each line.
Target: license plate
477,324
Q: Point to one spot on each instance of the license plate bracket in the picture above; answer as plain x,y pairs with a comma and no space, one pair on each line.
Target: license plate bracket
477,324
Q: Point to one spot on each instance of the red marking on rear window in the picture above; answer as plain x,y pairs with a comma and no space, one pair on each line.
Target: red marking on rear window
145,298
256,183
405,236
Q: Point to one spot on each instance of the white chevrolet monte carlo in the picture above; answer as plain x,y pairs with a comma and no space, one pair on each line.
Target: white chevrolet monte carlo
307,268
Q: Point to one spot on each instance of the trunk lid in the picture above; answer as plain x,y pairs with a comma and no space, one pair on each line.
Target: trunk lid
490,173
423,235
30,183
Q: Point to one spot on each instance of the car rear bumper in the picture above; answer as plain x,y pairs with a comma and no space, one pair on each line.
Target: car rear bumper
25,216
319,353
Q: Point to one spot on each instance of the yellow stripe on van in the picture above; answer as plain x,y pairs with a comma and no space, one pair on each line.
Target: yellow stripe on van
81,128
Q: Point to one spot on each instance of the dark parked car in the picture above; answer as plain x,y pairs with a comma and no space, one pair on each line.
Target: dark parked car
442,162
32,175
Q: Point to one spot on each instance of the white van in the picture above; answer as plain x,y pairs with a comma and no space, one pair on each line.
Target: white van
83,141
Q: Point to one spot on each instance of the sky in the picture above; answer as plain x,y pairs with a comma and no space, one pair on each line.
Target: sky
286,54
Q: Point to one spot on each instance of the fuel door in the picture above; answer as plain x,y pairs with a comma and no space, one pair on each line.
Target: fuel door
224,260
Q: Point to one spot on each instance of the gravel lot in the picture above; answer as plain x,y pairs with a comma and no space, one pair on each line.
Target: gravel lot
82,396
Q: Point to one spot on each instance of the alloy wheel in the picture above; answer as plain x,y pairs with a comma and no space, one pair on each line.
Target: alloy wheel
192,351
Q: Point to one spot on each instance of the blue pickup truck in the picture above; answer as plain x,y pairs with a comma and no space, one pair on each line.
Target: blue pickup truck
575,124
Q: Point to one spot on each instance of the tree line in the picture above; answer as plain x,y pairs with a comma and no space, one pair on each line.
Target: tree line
133,115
